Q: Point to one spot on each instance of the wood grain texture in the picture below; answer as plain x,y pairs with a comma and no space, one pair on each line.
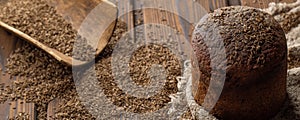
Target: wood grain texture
52,107
218,3
211,5
10,109
234,2
205,4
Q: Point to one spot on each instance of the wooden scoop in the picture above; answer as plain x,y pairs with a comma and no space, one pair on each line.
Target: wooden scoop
94,20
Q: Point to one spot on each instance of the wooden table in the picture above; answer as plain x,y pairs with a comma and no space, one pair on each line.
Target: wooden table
149,16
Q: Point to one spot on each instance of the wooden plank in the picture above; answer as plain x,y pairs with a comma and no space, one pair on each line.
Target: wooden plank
4,108
12,110
191,12
52,108
204,3
160,17
9,43
211,5
19,106
168,18
262,3
234,2
29,108
218,3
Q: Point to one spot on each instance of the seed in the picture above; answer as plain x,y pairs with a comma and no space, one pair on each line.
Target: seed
163,19
44,28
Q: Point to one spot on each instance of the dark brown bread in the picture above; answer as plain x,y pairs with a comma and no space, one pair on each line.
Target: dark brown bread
256,62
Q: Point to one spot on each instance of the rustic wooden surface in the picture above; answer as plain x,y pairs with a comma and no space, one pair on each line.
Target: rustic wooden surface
10,109
188,7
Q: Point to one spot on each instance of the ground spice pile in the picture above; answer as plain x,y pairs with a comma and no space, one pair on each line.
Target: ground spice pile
71,106
41,21
141,60
43,78
138,69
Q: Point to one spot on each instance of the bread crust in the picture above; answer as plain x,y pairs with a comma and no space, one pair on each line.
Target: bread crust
256,62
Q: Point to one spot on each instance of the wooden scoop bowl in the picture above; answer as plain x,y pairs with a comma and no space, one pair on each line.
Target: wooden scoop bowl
94,20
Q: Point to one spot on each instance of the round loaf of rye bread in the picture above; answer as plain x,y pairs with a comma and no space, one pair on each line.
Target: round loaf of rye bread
254,63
